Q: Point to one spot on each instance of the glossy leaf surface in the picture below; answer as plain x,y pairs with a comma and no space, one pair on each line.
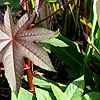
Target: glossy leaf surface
75,89
44,95
23,95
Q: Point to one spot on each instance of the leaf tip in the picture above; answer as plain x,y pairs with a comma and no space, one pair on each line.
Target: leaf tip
86,37
53,70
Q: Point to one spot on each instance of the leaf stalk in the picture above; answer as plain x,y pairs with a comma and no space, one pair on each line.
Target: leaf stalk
30,78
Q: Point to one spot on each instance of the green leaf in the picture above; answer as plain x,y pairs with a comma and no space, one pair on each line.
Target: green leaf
43,95
55,42
52,42
97,39
92,96
42,82
62,86
97,35
5,2
23,95
75,89
57,92
86,71
68,54
97,81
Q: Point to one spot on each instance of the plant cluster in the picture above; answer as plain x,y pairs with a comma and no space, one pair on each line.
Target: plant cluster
74,49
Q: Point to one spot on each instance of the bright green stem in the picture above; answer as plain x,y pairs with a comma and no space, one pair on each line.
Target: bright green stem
54,7
32,1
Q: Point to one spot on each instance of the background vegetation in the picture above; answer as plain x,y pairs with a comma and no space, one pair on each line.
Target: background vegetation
75,58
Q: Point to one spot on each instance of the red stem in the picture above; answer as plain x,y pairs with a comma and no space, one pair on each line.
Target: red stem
30,78
27,6
26,67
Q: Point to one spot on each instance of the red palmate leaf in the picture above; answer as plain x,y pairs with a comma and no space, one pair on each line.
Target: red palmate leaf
17,42
38,4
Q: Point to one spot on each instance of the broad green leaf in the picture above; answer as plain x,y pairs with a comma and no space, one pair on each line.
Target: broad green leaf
75,89
23,95
44,95
57,92
55,42
42,82
45,83
68,54
52,42
62,86
92,96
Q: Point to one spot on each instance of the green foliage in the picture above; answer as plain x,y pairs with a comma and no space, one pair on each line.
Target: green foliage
44,95
92,96
72,22
23,95
67,54
56,42
74,91
13,3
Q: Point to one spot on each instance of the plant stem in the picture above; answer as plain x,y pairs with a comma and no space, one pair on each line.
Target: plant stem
1,68
30,78
53,13
88,40
95,48
27,6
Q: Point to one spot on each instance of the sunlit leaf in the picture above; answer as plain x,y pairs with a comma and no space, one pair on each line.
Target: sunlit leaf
92,96
75,90
57,92
23,95
44,95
